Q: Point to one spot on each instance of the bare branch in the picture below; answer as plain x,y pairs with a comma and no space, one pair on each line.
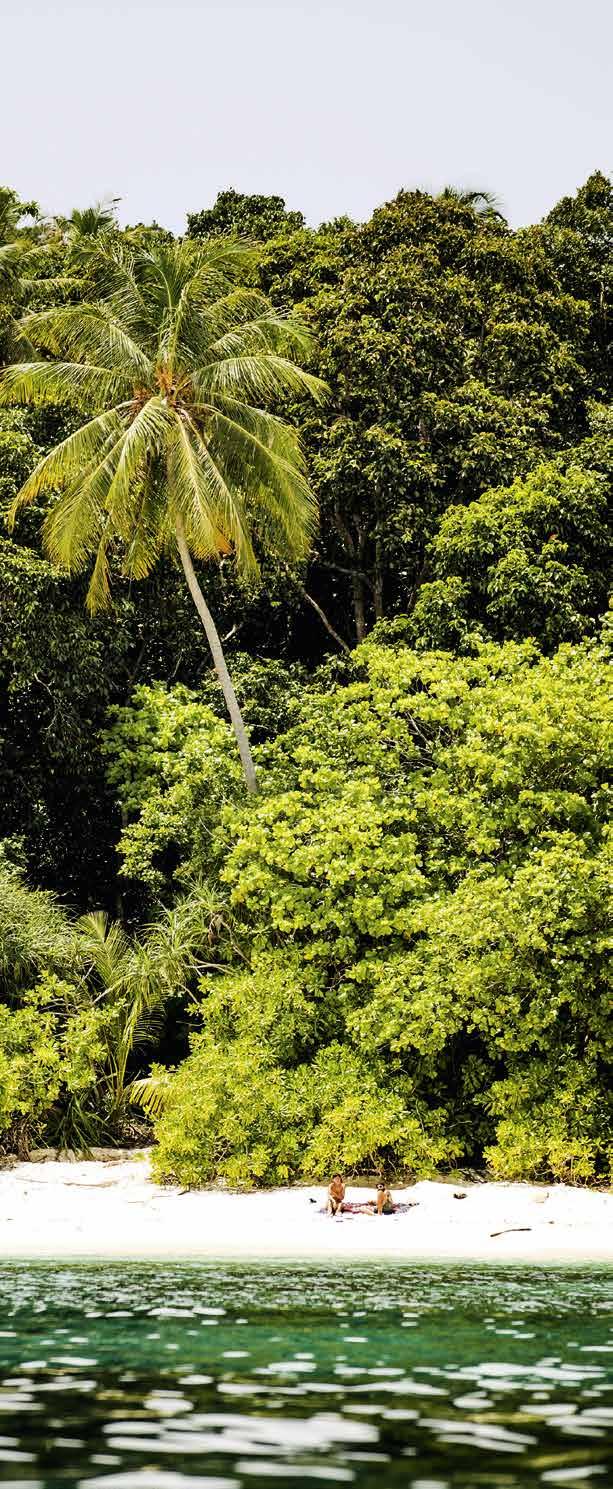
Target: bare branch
317,608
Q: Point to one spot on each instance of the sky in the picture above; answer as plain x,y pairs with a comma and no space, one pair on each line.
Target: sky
334,106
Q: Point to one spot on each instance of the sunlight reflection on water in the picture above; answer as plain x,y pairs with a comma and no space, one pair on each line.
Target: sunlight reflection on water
204,1376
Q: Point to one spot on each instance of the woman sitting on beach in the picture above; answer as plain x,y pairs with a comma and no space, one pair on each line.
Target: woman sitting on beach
336,1195
385,1203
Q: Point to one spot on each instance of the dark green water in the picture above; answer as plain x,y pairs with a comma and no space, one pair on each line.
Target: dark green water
202,1376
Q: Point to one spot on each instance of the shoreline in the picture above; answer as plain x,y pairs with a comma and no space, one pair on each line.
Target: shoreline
109,1209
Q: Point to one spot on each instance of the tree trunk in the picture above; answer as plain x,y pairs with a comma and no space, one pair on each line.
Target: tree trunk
359,606
354,548
212,636
377,590
377,587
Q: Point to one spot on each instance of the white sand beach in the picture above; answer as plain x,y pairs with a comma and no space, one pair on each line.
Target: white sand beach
112,1209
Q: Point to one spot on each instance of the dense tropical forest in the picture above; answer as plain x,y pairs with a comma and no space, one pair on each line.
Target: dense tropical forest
304,702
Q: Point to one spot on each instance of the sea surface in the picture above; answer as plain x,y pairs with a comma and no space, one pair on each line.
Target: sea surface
210,1375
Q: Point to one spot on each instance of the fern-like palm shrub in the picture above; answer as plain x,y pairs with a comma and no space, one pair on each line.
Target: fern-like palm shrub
36,934
127,984
176,367
69,1044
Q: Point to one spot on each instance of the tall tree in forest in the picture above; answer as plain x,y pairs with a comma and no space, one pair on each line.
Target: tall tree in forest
176,366
245,215
458,353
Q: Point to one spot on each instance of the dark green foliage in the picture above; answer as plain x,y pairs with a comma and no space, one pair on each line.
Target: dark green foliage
579,239
457,353
402,943
531,559
246,215
57,670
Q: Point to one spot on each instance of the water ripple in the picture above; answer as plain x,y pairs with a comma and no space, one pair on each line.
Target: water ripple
203,1376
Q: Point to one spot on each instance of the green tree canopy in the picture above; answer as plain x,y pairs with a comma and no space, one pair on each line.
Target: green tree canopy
530,559
247,215
417,898
457,354
401,939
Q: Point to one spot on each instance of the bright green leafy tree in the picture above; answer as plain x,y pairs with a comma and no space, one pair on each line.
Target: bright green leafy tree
418,930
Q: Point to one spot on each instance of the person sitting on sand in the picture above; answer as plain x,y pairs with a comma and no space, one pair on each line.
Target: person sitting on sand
385,1203
336,1195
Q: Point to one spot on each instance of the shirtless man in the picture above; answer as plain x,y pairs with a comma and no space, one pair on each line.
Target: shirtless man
385,1203
336,1195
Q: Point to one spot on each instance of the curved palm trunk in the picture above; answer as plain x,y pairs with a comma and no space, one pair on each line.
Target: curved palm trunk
212,636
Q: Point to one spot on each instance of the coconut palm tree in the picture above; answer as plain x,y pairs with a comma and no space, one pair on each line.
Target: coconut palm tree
484,203
176,367
88,222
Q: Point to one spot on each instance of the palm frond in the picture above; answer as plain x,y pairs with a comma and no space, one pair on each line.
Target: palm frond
106,945
79,521
279,493
80,527
144,439
87,333
113,265
150,1093
200,317
68,460
238,305
232,257
148,1028
260,378
270,429
10,254
99,587
194,494
134,509
88,221
267,332
77,384
212,511
144,527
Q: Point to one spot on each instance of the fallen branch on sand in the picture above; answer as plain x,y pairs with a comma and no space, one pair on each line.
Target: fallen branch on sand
510,1231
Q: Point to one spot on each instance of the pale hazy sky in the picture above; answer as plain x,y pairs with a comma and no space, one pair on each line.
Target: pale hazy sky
334,106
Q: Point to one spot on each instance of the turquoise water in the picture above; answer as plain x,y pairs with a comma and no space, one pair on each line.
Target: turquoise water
207,1376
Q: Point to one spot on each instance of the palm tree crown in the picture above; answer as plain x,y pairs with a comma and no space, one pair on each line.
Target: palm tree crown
87,222
175,367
